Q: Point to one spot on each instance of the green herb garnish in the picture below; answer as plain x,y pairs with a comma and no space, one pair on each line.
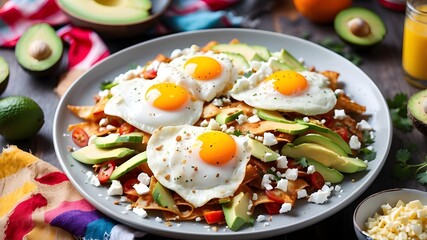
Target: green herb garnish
403,170
398,112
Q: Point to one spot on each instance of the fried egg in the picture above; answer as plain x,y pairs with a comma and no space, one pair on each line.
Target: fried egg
207,75
197,163
150,104
288,91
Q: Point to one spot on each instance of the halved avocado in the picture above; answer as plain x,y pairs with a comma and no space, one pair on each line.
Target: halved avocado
39,50
360,27
417,110
4,74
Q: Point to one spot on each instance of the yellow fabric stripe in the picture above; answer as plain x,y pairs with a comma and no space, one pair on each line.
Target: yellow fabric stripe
12,160
9,201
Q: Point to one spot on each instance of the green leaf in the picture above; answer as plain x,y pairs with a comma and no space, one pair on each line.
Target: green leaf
400,100
367,138
367,154
402,172
302,161
422,178
107,84
403,155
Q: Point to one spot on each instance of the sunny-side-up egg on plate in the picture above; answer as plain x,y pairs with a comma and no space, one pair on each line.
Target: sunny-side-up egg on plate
150,104
286,90
197,163
208,74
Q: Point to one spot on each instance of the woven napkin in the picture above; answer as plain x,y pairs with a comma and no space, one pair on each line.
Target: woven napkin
39,202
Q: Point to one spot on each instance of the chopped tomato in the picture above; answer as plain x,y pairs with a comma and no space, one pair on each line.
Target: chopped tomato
292,163
128,189
216,216
105,171
80,137
272,208
126,128
316,180
150,74
343,132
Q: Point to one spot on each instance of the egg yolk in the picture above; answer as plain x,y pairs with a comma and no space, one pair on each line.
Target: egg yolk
288,82
203,68
167,96
217,147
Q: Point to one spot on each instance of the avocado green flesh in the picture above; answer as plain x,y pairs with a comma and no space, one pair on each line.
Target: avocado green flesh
93,155
119,12
238,60
329,174
163,197
115,140
249,53
127,166
42,32
236,211
4,74
321,140
416,105
377,28
271,116
228,114
259,151
324,156
287,58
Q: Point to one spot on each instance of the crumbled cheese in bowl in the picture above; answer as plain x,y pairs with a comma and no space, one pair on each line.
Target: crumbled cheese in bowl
404,221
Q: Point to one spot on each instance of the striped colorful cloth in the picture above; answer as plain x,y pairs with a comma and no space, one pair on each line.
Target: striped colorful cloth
39,202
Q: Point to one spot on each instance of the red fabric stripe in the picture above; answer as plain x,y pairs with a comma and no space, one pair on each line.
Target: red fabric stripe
225,21
216,5
52,178
10,16
20,221
45,11
80,45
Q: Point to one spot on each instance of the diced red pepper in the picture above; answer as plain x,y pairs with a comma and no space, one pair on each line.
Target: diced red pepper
213,217
272,208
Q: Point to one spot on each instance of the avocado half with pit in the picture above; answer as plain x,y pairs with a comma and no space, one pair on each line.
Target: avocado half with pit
114,18
360,27
417,110
39,50
4,74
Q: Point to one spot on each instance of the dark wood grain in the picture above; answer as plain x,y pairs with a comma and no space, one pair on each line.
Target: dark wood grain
381,63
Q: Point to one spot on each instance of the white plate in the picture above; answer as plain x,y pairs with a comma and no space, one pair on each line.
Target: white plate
357,83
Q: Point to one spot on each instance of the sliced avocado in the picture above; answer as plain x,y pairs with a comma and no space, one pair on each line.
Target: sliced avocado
127,166
39,50
260,151
262,51
360,26
116,140
92,154
228,114
329,174
321,140
107,12
324,156
238,61
279,66
236,211
4,74
417,110
287,58
164,197
245,50
290,128
272,116
328,133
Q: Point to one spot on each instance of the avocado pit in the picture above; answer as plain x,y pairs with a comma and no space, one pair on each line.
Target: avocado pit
40,50
359,27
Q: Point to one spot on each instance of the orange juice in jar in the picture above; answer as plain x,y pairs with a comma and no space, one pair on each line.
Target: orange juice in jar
414,54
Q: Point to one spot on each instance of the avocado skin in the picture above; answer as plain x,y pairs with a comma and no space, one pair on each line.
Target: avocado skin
414,102
52,71
4,80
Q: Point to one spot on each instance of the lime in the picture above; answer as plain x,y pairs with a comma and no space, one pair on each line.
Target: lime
20,117
4,74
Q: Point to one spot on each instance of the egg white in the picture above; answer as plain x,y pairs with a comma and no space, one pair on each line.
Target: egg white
177,165
205,90
128,102
318,98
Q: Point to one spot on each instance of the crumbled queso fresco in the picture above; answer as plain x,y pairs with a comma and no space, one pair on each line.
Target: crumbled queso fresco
404,221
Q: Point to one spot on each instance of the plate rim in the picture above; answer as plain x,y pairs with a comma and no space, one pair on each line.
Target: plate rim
265,232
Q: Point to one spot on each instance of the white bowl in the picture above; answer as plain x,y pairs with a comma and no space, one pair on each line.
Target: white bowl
372,204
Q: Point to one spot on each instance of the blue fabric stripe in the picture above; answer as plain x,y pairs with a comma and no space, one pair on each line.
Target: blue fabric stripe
99,229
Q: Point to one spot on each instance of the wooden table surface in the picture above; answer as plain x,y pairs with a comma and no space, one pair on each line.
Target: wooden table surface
382,64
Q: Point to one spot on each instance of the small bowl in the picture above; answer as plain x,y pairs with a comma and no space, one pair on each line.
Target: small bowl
120,30
372,204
